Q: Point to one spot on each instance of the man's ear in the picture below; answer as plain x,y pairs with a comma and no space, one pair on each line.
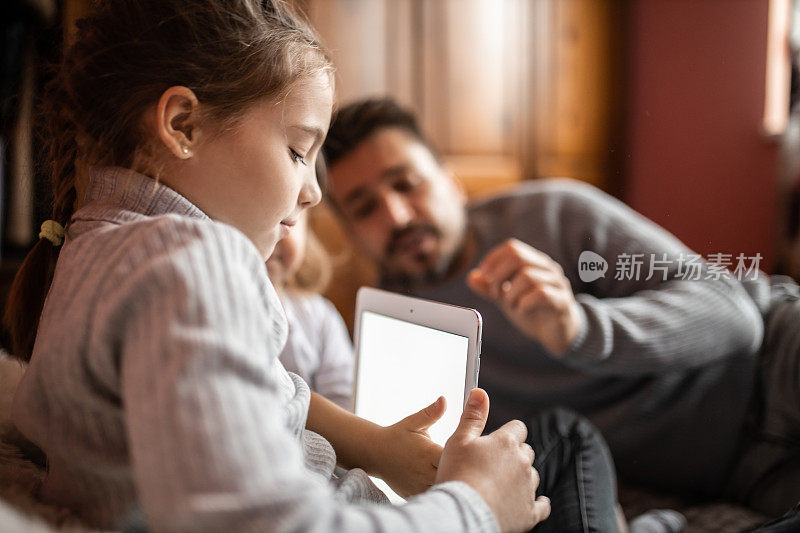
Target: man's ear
178,121
458,185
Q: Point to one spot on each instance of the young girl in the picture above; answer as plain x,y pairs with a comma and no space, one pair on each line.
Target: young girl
182,139
318,347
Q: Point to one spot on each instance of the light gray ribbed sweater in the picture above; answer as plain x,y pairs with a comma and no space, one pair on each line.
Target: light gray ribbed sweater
665,368
155,381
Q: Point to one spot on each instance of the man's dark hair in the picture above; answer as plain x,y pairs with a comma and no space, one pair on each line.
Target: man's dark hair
355,122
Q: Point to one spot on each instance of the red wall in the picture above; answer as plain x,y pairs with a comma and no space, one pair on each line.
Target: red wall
697,162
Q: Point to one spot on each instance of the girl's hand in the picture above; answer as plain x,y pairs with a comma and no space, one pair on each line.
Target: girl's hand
408,458
402,454
498,466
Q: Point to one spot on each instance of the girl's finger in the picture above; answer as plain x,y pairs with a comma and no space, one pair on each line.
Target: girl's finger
541,509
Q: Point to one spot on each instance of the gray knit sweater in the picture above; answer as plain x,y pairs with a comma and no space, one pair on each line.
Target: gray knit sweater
664,367
155,382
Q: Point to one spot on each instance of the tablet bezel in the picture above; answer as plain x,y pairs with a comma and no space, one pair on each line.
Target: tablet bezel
462,321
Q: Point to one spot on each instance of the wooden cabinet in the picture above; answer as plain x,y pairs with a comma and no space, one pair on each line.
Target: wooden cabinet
506,89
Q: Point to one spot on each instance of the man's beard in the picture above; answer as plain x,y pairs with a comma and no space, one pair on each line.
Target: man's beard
433,267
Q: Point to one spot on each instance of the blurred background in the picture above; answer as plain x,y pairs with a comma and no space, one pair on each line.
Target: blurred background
684,109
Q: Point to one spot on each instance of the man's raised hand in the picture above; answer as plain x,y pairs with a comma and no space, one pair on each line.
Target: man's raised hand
532,291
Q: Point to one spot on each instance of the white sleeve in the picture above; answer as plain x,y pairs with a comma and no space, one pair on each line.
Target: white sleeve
334,377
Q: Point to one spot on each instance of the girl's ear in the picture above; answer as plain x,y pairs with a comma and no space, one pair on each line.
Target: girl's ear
178,121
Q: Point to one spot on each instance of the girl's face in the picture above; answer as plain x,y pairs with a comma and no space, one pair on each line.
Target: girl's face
259,176
289,253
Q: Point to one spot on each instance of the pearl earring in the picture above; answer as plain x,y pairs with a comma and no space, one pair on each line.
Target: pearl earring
185,150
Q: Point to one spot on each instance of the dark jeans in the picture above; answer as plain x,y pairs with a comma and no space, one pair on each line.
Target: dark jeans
766,476
576,471
788,523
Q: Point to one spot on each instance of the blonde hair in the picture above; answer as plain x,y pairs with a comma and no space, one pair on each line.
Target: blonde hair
315,272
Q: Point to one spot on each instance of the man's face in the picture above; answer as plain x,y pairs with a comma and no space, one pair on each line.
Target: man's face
404,209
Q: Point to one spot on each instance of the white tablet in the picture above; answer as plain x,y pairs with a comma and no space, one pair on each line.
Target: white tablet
408,353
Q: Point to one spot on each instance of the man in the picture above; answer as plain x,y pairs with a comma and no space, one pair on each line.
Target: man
663,363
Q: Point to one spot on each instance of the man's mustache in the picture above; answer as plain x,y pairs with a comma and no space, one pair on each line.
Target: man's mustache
399,234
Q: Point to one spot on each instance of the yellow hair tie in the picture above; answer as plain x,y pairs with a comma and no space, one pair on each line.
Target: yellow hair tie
52,231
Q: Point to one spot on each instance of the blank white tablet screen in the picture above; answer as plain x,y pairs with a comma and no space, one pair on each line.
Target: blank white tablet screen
404,367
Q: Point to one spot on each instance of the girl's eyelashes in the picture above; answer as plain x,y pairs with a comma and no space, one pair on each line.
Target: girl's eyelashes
297,158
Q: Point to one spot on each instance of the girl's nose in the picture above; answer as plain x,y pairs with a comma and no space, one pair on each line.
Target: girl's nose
310,194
